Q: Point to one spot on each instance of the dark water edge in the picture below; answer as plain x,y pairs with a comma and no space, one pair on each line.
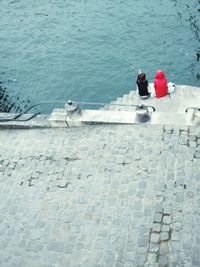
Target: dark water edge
85,51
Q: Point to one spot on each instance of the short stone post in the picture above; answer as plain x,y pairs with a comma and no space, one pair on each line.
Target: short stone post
74,114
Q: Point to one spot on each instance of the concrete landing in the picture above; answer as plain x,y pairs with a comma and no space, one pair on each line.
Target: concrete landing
100,196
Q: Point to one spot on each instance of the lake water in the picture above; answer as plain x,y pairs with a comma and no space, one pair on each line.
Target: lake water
91,50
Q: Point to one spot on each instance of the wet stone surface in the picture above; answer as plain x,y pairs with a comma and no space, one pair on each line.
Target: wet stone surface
99,196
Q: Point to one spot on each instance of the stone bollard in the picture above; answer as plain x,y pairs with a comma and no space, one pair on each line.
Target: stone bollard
72,109
193,115
74,114
142,114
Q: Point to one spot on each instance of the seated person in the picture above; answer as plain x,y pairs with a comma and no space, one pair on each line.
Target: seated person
160,84
142,84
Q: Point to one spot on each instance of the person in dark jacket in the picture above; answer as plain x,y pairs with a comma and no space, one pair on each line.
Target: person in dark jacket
142,84
160,84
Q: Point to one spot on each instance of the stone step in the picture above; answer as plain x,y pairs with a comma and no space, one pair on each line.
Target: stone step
106,107
113,107
132,101
113,102
132,94
133,98
125,99
110,106
117,108
119,100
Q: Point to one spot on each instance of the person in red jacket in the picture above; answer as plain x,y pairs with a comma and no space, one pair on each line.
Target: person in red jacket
160,84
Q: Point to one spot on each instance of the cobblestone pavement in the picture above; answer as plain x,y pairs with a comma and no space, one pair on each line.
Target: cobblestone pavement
100,196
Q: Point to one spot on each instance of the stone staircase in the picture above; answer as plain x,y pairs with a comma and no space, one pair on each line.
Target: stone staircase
170,110
184,97
121,103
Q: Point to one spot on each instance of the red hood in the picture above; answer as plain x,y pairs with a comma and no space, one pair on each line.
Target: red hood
159,74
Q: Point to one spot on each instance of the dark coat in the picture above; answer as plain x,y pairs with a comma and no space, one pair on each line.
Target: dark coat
142,87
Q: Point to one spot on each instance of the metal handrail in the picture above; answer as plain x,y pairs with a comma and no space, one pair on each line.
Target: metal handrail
194,108
27,119
112,104
15,118
145,106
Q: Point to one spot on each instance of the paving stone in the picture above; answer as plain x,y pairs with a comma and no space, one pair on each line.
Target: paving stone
192,137
155,237
156,227
158,208
175,236
143,230
197,154
193,143
142,242
154,247
183,140
157,217
56,246
164,249
151,258
163,261
166,219
136,156
142,184
165,228
125,221
164,236
138,205
140,259
147,212
179,197
187,227
168,128
141,251
175,245
130,246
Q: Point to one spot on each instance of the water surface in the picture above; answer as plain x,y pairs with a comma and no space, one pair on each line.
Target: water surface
91,50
